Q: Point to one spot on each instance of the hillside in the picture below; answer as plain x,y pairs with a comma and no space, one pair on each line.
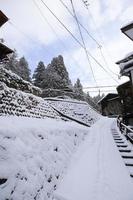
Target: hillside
38,139
34,155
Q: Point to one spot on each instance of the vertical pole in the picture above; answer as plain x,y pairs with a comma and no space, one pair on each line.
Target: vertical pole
99,92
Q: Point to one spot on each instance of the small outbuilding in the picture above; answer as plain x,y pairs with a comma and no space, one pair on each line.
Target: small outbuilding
110,105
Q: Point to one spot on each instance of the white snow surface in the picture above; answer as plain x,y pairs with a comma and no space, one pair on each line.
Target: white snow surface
34,155
97,171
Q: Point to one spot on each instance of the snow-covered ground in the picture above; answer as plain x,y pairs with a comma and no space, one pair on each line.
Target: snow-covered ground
34,154
97,171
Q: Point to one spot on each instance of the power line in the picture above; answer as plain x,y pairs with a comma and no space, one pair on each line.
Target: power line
75,16
87,4
80,24
102,91
100,48
53,30
72,35
102,86
106,63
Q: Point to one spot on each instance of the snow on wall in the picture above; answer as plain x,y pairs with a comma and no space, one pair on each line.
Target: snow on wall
15,102
82,111
14,81
34,155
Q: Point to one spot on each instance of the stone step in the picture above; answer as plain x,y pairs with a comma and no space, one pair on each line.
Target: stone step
120,145
120,142
118,139
131,175
127,156
125,150
129,164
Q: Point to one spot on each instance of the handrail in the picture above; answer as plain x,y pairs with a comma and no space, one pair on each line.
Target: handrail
125,129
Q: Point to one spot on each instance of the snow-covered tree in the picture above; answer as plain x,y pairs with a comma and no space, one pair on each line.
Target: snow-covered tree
52,80
12,64
39,74
23,69
78,88
98,97
56,75
57,66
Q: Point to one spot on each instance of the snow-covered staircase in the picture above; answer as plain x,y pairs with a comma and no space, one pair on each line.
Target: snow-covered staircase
125,149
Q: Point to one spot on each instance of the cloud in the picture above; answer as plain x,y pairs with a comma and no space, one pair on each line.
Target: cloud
32,35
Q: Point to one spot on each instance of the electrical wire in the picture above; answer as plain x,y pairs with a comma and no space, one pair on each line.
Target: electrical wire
97,43
101,86
75,16
100,36
53,30
72,35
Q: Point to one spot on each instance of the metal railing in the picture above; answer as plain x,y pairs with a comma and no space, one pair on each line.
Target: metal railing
125,130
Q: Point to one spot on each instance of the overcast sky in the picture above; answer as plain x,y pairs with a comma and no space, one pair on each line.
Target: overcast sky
32,36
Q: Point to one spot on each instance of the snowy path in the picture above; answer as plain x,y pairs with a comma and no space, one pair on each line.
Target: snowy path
97,171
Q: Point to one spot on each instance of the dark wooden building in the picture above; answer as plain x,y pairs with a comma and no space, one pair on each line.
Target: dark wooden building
126,96
110,105
125,90
4,50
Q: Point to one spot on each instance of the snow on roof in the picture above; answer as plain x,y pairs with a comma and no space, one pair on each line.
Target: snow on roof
108,96
126,67
128,57
128,30
127,24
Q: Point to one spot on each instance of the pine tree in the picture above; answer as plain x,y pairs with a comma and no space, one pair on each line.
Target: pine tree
39,74
57,66
23,69
78,87
12,64
52,80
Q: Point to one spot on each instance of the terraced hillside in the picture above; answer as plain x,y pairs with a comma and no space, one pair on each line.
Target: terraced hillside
18,103
78,110
37,143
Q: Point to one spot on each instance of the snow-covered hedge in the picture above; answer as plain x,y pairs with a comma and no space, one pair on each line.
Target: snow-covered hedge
34,155
12,80
15,102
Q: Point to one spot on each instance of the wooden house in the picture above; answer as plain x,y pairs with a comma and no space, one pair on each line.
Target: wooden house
110,105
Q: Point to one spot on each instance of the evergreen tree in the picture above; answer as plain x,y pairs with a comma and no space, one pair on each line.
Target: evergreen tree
57,66
12,64
56,75
78,88
91,102
52,80
39,74
23,69
98,97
